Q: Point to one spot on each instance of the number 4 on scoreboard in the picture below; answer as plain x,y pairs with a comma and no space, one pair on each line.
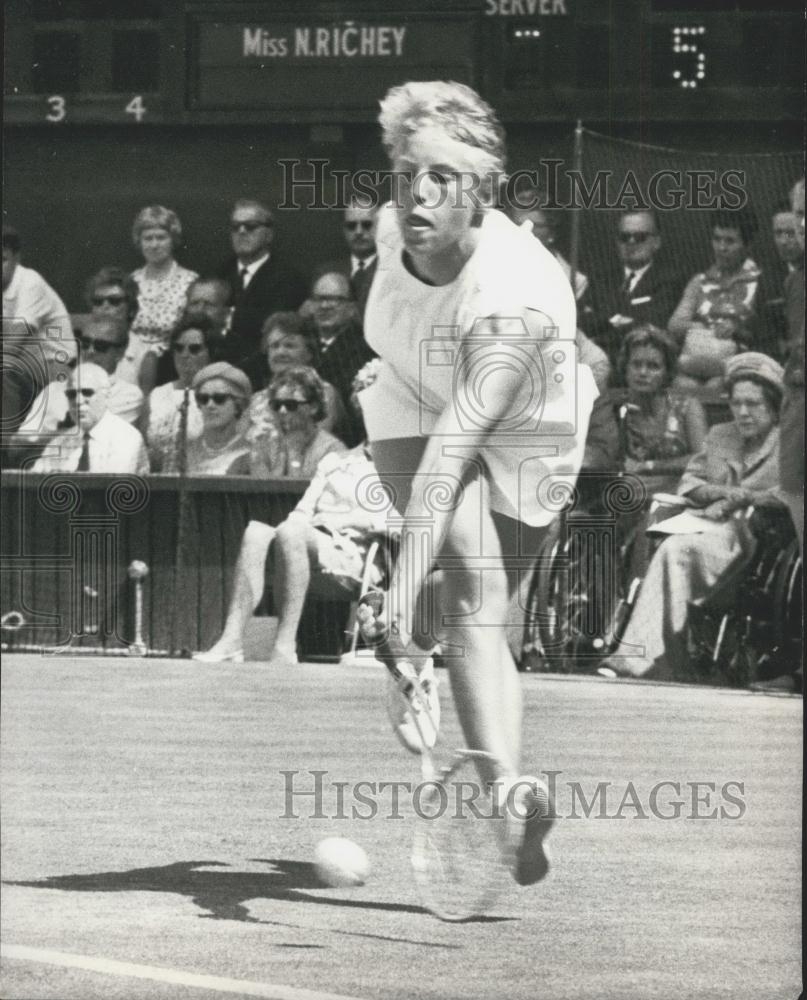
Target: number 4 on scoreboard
136,107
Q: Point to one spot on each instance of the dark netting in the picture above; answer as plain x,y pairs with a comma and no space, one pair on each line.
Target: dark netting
616,173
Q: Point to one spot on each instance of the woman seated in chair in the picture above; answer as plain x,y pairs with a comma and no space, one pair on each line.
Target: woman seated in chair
716,315
736,468
661,429
289,340
296,441
320,548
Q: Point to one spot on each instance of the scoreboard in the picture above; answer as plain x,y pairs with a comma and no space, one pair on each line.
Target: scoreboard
151,61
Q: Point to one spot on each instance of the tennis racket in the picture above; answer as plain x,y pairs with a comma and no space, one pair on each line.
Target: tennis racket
459,857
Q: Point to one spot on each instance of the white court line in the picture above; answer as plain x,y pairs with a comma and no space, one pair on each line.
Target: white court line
110,967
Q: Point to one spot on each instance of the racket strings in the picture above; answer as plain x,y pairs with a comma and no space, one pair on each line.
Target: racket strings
458,856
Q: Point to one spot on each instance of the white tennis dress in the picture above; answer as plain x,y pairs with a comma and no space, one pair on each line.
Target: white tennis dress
417,328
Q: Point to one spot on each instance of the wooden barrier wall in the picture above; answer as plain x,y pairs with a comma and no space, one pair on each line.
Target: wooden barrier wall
68,540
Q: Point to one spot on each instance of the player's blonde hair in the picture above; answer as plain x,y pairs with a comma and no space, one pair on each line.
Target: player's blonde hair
452,107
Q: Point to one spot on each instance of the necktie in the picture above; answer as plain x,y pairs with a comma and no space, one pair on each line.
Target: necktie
629,282
84,459
359,267
243,273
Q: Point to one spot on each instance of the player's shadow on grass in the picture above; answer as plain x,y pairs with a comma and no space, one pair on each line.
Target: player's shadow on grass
220,894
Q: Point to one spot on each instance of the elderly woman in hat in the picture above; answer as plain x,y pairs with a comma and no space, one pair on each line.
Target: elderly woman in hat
222,393
737,467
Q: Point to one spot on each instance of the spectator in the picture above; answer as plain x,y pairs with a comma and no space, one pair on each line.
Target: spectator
222,395
771,293
320,549
588,353
23,418
98,440
209,297
715,317
102,344
342,345
737,466
661,429
290,340
193,347
359,227
297,443
112,294
31,308
791,452
32,311
640,287
543,223
162,286
260,283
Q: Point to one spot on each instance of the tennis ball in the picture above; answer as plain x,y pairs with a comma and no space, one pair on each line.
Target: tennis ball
341,863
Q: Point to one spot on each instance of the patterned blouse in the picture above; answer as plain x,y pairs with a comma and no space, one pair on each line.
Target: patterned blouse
161,302
662,434
726,297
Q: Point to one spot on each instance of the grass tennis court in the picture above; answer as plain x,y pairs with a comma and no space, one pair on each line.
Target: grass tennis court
145,853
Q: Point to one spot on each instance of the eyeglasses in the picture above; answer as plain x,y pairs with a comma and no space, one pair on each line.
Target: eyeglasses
323,300
218,398
291,405
193,349
108,300
249,226
99,346
365,225
634,237
73,393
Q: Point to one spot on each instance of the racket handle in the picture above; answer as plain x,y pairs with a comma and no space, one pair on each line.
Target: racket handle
387,646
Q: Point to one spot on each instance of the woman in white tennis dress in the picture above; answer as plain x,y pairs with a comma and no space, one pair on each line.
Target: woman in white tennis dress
479,412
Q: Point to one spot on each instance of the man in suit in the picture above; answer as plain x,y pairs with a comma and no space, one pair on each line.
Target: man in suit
359,228
641,289
343,347
771,299
260,284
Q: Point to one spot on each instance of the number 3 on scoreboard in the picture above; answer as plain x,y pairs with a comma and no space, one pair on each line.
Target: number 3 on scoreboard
58,109
136,107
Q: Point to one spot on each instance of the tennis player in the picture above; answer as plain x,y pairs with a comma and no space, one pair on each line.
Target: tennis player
478,412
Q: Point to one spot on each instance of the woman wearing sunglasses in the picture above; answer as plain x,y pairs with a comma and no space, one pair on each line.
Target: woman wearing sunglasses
295,443
222,393
193,346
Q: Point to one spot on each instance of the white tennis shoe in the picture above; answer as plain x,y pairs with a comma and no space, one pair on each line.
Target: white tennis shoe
413,705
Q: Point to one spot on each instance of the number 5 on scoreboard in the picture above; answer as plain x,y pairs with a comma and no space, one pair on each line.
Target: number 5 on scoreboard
136,107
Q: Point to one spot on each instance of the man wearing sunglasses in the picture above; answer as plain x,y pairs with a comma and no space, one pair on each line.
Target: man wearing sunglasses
359,228
102,343
638,289
97,440
260,283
